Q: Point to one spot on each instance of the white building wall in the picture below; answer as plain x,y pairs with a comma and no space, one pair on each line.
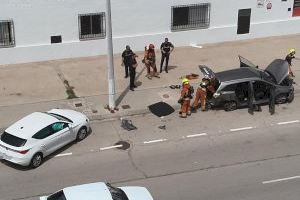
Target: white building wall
135,22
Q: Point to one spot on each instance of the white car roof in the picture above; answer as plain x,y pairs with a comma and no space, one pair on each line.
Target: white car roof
91,191
29,125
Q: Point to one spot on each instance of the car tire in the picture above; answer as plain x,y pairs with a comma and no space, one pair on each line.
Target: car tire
81,134
230,106
36,160
281,99
291,97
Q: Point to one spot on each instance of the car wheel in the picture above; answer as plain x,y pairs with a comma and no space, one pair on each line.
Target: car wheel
281,99
290,97
230,106
36,160
82,133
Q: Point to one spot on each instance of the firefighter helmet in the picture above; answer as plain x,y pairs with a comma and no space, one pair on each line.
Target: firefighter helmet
185,81
292,51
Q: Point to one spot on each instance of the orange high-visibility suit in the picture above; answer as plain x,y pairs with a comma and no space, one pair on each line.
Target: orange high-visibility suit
185,101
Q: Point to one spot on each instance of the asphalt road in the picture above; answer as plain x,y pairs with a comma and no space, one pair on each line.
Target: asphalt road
212,155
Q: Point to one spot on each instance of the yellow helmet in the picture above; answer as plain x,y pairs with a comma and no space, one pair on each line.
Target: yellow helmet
185,81
292,50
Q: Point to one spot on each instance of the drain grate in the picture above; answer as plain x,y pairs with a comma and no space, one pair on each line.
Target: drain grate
125,145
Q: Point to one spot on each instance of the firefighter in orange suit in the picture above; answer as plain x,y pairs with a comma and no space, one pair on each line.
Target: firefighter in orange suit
201,95
185,98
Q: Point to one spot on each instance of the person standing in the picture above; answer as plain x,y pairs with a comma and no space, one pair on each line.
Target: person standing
201,95
150,61
129,62
166,49
127,59
289,59
185,98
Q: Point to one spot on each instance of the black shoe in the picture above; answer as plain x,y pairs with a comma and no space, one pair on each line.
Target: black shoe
131,89
135,86
126,76
167,71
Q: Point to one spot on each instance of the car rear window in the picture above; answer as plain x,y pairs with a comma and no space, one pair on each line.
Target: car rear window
12,140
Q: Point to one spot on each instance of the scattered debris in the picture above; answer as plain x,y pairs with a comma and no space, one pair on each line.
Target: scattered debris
163,127
127,125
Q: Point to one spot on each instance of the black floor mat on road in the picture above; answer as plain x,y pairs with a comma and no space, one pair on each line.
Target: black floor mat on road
161,109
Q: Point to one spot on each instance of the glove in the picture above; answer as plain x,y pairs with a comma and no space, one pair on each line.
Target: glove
180,101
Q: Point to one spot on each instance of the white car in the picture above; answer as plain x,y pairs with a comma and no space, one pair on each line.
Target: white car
100,190
29,140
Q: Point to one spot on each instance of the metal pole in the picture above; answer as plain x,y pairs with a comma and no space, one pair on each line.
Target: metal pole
110,58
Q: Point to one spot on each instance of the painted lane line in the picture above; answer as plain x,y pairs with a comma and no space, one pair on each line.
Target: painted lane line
196,135
280,180
288,122
155,141
63,154
241,129
111,147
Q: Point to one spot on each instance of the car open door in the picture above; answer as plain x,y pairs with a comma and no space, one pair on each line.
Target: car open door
207,72
246,63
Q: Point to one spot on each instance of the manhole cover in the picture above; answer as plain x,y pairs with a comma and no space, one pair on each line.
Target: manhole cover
125,145
125,106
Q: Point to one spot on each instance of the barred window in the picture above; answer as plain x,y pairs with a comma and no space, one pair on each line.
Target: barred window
7,35
190,17
92,26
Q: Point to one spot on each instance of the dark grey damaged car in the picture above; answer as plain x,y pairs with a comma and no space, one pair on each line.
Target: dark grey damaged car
236,87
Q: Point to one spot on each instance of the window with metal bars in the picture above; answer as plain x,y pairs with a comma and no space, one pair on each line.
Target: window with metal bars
92,26
185,17
7,35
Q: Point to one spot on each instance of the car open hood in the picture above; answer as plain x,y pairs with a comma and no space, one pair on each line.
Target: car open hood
278,69
206,71
137,193
246,63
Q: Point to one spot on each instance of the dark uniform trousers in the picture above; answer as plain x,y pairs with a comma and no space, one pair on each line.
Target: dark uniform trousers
132,73
163,57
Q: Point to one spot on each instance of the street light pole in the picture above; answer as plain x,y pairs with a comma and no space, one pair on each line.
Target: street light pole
110,58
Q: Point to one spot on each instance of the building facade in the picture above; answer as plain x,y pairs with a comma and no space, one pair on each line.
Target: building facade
38,30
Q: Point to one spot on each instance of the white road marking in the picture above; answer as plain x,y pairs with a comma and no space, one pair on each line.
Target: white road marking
282,179
288,122
241,129
111,147
195,135
196,46
154,141
63,154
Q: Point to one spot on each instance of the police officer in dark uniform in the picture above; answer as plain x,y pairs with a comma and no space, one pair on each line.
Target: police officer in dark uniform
166,48
128,58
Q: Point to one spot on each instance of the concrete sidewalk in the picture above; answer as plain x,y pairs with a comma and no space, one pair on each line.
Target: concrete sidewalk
40,86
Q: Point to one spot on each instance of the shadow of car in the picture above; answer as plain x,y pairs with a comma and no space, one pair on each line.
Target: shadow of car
248,84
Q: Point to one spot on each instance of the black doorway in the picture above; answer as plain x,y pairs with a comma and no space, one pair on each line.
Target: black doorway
244,21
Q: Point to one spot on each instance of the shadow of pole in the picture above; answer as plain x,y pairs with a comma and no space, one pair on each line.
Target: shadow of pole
123,94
